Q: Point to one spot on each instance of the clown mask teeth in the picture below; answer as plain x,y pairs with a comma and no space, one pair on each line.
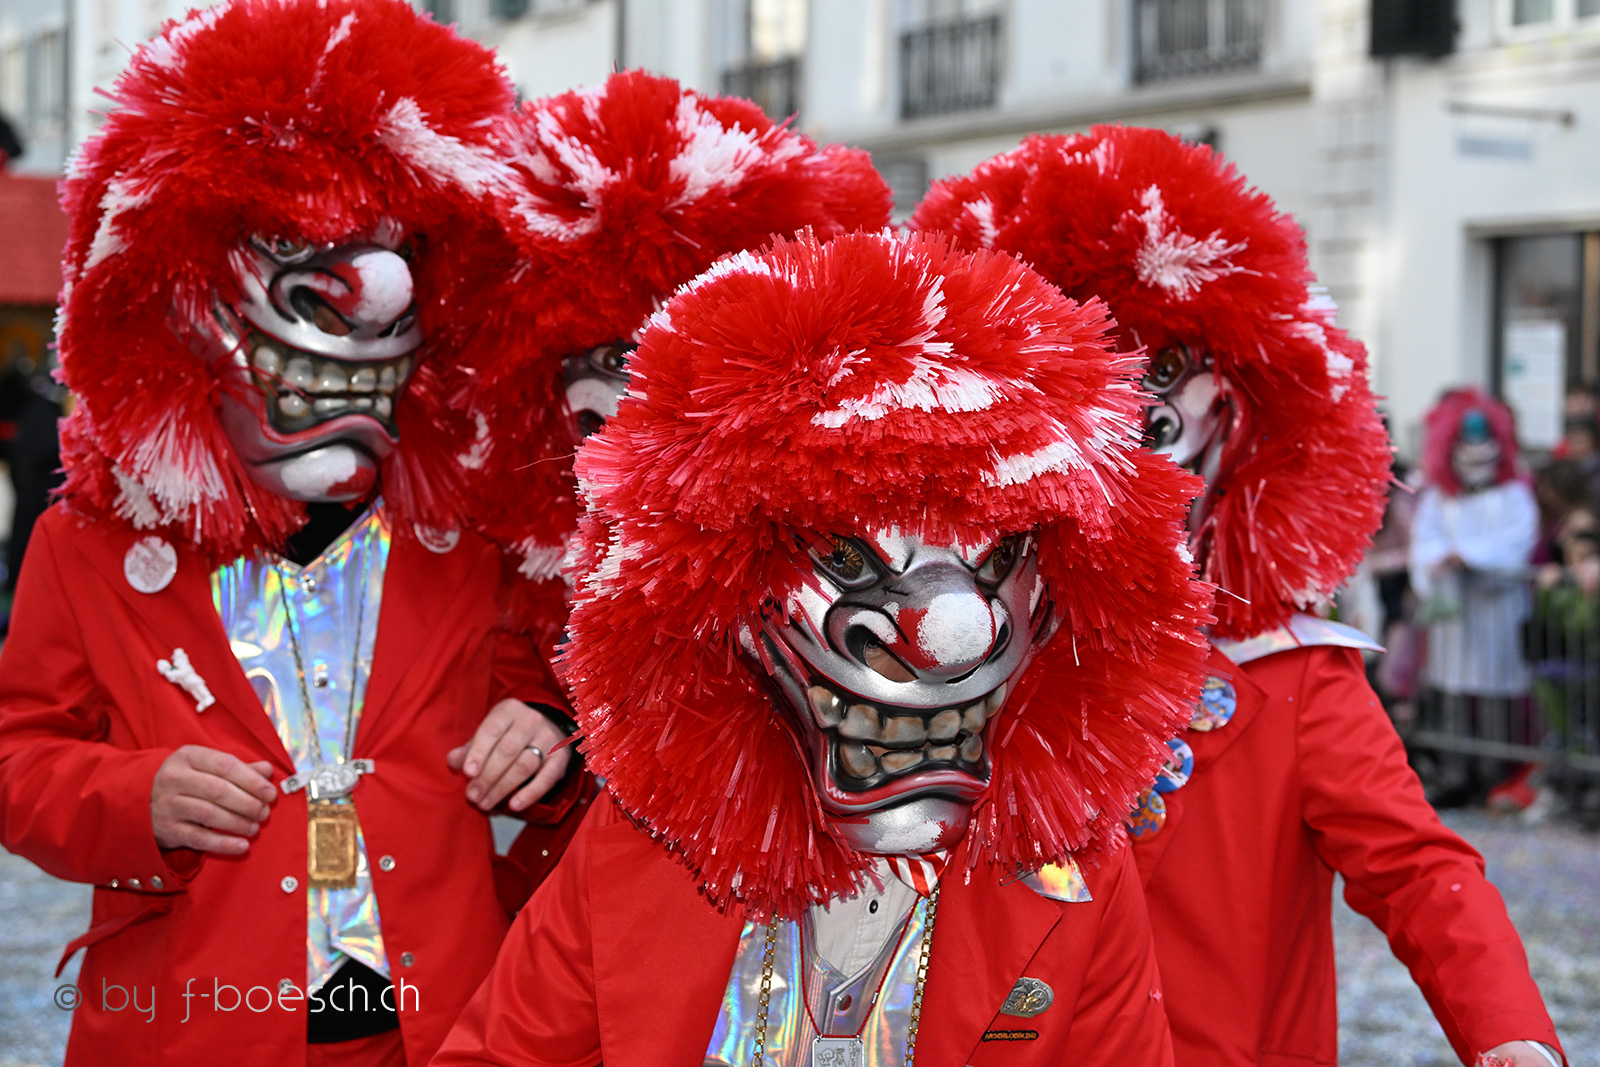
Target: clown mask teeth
303,389
874,743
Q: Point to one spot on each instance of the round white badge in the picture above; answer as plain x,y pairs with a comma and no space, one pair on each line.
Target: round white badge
150,564
439,541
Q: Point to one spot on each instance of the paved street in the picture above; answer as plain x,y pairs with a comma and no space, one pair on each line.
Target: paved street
1550,875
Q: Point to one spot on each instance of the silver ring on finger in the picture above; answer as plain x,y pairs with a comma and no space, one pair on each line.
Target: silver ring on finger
537,752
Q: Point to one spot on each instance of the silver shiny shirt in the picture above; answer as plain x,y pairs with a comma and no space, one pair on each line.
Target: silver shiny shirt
333,606
840,1004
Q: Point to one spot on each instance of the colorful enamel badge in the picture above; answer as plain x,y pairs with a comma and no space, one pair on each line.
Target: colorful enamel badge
1216,706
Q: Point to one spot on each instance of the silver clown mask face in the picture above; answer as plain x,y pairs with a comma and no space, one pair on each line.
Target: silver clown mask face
1475,457
1192,417
595,382
896,659
323,338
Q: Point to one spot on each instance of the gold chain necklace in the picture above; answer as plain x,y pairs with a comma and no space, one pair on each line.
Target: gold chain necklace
758,1056
332,830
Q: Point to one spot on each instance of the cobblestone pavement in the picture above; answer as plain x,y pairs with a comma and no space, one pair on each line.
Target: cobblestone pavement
1550,876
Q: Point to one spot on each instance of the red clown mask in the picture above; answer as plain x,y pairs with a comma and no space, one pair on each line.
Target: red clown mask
872,564
266,235
1256,389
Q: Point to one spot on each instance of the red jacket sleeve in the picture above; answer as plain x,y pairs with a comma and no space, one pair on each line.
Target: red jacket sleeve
70,801
1415,879
1120,1017
537,1007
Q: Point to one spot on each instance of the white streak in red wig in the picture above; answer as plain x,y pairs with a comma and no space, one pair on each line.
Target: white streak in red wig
699,484
1186,254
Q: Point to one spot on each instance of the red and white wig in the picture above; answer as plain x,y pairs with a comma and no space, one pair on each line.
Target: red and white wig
628,189
1442,431
869,384
1187,256
313,120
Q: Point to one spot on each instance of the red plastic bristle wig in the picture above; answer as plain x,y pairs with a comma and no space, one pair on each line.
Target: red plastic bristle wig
1184,253
313,119
843,387
1443,425
629,189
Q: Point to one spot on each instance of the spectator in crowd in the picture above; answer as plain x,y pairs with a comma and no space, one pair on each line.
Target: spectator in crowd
1475,531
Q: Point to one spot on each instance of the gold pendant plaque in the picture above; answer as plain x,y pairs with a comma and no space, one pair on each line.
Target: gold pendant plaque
331,845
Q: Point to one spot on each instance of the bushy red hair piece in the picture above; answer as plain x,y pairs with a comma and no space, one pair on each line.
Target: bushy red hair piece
1442,426
314,119
629,189
856,385
1185,253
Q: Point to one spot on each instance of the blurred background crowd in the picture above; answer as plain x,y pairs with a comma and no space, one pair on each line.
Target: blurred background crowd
1440,154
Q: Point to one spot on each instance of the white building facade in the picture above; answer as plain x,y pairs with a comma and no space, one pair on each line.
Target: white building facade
1450,193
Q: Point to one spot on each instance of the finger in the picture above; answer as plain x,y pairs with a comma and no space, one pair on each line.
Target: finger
511,756
501,717
549,776
221,792
256,782
524,765
456,757
198,837
209,815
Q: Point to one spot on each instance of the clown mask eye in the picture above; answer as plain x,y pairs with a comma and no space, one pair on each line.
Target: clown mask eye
611,359
997,564
1167,369
842,560
284,249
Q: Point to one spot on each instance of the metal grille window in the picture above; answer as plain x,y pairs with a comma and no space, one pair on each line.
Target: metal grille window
1183,38
763,42
950,66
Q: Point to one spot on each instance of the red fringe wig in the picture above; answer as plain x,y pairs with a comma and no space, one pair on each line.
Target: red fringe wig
1443,425
629,189
867,383
1184,253
310,118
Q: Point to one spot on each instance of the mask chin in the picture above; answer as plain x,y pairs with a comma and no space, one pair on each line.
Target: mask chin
333,473
922,824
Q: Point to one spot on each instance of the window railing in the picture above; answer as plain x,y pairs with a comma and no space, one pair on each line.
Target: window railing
1184,38
773,86
951,66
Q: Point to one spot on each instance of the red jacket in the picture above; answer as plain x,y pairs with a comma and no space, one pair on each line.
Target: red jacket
1307,779
86,718
619,958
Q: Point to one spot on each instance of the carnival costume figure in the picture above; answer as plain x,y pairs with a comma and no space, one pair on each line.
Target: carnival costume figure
1472,542
625,191
881,619
1289,770
241,684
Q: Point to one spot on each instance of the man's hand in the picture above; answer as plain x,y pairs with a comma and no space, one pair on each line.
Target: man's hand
1517,1054
205,799
499,758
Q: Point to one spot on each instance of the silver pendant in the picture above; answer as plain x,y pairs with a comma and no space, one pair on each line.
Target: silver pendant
838,1052
329,781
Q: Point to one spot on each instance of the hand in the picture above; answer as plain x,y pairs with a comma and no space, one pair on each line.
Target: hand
1517,1054
208,800
1452,562
498,759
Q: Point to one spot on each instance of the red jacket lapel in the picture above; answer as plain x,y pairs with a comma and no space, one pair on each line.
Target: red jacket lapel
1208,749
985,934
662,953
182,615
431,602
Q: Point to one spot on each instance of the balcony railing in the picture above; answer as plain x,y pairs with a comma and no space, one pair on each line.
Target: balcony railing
951,66
1183,38
774,86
